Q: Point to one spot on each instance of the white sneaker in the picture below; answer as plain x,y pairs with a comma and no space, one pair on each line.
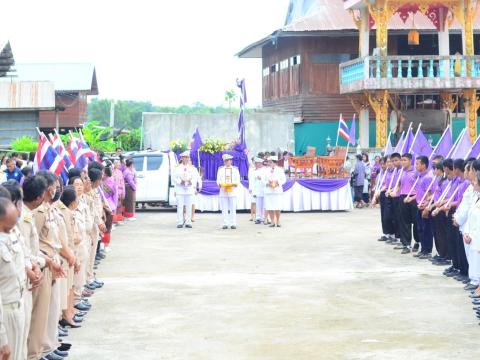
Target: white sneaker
132,219
107,249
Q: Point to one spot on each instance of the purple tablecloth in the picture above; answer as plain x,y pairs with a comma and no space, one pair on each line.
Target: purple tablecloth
211,162
318,185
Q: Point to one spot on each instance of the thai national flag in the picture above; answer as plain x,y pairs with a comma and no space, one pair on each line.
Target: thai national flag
60,149
47,158
343,129
73,147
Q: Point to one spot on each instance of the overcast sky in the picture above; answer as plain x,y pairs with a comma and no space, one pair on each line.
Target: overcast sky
170,52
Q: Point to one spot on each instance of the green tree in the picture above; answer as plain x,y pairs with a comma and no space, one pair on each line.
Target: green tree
230,96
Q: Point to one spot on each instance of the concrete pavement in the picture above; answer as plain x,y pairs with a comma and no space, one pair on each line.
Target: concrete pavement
320,287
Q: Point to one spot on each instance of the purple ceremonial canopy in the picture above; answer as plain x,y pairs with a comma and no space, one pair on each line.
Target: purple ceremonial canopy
319,185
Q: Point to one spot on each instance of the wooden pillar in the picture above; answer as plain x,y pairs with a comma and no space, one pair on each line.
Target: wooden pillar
472,102
381,13
364,33
379,103
361,106
444,40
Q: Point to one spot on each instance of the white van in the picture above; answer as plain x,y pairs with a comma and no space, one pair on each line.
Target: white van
154,176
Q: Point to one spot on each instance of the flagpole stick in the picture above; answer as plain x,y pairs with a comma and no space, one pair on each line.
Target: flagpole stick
402,150
415,137
455,144
453,195
388,139
426,192
338,128
471,148
391,180
439,142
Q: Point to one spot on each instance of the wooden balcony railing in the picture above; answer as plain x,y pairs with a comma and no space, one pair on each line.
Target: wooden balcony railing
410,73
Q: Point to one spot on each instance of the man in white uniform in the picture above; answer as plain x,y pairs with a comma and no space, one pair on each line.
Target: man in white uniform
228,178
256,186
185,178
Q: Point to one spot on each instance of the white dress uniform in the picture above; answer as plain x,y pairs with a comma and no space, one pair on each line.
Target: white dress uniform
274,195
461,214
186,178
256,183
472,228
228,200
12,286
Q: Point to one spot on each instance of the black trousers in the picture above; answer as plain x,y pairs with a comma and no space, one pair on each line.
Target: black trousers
408,221
452,239
462,256
424,230
396,214
439,228
386,211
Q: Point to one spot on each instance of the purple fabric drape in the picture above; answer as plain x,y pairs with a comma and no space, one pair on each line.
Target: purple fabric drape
211,162
323,185
209,188
319,185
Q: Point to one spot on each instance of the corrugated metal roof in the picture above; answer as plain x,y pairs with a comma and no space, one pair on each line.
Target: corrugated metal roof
324,16
27,95
66,77
330,15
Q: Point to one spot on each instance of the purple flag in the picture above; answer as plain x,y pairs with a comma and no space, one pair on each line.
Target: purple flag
351,134
389,148
445,143
196,142
242,145
421,146
475,150
463,147
407,144
398,147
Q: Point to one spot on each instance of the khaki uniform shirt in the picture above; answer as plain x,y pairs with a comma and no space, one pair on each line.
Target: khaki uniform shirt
48,231
30,236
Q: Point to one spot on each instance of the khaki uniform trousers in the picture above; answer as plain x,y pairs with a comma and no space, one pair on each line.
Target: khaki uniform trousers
94,234
27,306
40,309
14,319
79,278
50,338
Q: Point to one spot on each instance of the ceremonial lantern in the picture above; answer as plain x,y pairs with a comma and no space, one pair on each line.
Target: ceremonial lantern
228,180
413,35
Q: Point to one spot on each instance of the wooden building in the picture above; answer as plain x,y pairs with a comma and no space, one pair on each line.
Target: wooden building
300,64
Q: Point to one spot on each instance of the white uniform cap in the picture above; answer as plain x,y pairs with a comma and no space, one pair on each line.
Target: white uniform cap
227,157
185,154
274,158
258,160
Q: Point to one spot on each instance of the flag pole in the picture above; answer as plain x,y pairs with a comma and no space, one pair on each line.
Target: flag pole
338,128
402,150
471,147
415,137
455,144
439,142
388,139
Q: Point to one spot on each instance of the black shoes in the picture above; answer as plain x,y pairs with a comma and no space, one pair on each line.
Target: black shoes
416,247
383,238
406,250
